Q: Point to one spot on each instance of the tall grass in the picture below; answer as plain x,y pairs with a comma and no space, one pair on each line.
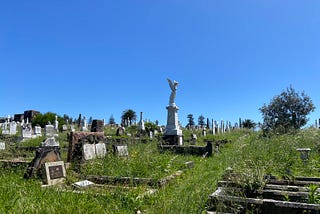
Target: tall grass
248,154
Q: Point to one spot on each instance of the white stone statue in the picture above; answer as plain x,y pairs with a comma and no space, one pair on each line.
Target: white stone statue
173,85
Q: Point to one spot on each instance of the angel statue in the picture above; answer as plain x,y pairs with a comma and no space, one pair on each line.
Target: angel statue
173,85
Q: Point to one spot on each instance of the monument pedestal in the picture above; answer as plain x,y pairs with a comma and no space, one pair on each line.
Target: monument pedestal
173,133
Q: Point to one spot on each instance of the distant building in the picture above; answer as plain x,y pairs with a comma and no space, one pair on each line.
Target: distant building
18,117
30,114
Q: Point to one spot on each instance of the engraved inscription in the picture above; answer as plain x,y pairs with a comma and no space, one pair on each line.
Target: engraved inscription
55,172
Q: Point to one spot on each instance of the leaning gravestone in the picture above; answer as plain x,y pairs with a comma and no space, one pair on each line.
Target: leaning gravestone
55,173
49,151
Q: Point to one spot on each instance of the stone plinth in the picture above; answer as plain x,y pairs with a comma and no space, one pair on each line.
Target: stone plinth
173,133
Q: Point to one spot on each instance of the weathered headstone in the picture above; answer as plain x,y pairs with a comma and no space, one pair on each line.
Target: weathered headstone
27,131
50,131
37,130
13,128
97,126
50,142
2,146
101,150
64,127
83,184
89,151
120,131
121,151
55,172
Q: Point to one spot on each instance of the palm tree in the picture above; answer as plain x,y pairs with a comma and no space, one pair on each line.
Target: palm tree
128,116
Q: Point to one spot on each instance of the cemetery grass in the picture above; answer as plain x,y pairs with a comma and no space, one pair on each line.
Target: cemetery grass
248,154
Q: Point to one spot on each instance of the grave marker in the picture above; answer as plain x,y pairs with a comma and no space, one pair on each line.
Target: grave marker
55,172
89,151
2,146
121,151
101,150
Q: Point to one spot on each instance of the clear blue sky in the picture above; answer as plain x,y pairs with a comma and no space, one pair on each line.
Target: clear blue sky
100,58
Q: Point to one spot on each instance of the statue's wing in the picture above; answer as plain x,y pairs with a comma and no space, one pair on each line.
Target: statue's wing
170,84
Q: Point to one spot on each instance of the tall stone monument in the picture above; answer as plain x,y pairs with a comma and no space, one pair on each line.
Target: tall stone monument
173,133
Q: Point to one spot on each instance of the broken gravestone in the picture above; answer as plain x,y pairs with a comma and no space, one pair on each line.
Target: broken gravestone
49,151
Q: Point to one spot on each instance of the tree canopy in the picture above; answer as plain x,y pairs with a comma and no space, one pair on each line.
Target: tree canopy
286,112
128,117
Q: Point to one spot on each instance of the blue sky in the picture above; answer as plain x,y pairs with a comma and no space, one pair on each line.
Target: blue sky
100,58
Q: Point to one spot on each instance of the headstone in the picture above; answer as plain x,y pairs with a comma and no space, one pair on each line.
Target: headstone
120,131
50,142
72,128
304,154
101,150
13,128
27,131
50,131
151,134
89,151
97,126
64,127
55,173
2,146
5,131
37,130
83,184
193,139
121,151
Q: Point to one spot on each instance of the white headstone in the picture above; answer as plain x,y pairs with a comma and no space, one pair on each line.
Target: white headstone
89,151
27,131
2,146
37,130
13,128
64,127
101,150
49,131
122,151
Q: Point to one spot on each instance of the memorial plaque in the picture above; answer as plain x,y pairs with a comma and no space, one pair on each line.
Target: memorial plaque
55,172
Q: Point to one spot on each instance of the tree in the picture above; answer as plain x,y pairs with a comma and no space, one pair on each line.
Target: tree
286,112
112,120
201,122
190,120
249,124
43,119
128,116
